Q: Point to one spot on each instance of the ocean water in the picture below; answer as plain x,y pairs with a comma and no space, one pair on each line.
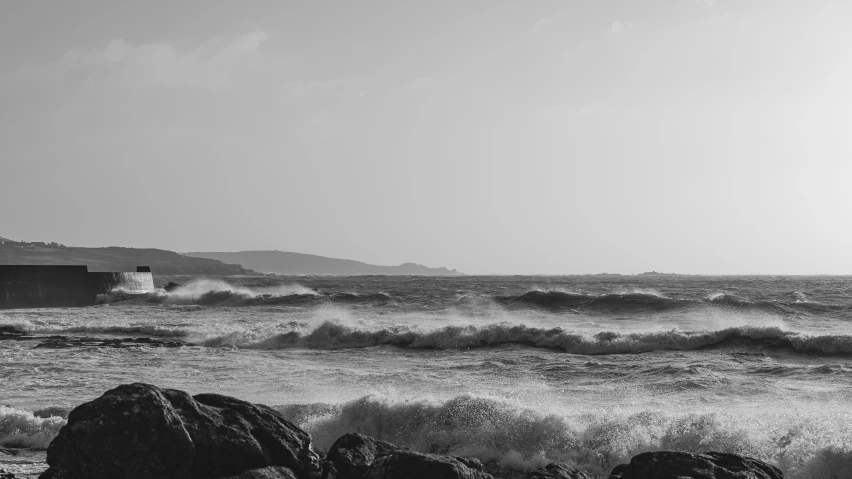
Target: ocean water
519,370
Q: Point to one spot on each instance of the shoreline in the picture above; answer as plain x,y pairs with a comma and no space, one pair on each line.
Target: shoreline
507,465
143,431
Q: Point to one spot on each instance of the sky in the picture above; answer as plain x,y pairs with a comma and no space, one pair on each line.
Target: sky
494,137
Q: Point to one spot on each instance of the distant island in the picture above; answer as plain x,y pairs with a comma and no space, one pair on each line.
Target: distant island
112,258
286,263
654,273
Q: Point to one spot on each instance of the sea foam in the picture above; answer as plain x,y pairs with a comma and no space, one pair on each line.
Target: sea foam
335,335
514,437
23,429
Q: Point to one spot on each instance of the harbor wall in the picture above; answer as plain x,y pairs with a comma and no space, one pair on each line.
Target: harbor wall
41,286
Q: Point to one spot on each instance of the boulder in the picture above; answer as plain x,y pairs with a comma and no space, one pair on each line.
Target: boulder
617,471
131,431
351,456
711,465
558,470
171,287
356,456
274,472
139,431
4,474
51,411
413,465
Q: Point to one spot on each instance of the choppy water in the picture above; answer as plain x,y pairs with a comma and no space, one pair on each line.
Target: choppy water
520,370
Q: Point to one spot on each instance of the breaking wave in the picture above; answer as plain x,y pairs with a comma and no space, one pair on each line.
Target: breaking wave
357,298
511,437
217,292
508,436
334,335
24,429
648,302
613,302
152,330
207,292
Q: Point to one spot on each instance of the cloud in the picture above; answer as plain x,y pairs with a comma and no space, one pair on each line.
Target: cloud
211,64
706,3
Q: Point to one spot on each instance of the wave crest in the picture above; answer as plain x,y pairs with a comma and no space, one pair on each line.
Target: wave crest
205,292
23,429
334,335
508,436
637,301
653,302
145,329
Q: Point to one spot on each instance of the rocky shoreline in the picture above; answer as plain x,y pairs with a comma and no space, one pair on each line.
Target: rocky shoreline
141,431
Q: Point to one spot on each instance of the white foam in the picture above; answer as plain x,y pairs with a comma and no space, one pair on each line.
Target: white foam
806,444
19,428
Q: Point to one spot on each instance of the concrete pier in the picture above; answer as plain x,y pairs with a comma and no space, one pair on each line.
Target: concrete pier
40,286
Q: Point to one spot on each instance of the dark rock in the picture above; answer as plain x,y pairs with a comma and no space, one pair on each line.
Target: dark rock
4,474
558,470
14,336
274,472
711,465
140,431
356,456
618,471
52,411
351,456
470,462
171,287
130,431
62,342
413,465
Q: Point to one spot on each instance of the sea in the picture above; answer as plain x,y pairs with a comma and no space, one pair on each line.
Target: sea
518,371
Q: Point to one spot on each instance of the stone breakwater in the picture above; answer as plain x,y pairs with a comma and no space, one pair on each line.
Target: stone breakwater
52,286
140,431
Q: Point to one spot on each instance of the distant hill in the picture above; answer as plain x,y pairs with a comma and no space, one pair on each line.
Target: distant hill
282,262
113,258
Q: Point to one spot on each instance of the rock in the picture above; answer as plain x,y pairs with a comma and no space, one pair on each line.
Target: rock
274,472
413,465
140,431
62,342
52,411
356,456
4,474
558,470
130,431
351,456
171,287
470,462
711,465
618,471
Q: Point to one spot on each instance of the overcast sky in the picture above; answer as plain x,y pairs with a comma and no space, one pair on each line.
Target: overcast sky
572,136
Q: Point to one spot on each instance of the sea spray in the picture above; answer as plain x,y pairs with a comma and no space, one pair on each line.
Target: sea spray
333,335
23,429
806,446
